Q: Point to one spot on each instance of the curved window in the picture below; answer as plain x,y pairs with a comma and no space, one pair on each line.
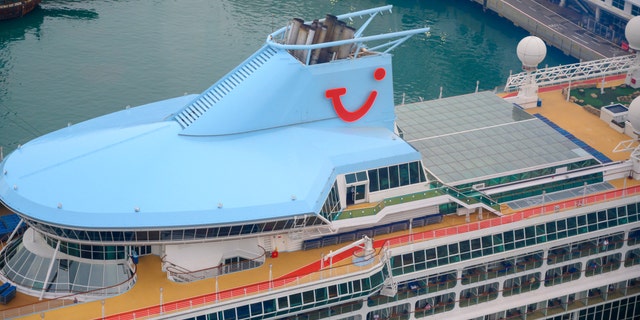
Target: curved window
89,251
177,235
67,276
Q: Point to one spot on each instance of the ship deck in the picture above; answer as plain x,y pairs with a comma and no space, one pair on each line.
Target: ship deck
152,285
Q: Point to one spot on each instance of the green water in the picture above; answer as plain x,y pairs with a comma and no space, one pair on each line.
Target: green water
69,61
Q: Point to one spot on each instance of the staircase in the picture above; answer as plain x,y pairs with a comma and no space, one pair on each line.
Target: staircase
218,91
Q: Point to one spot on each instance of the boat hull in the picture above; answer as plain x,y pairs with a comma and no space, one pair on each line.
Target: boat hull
17,9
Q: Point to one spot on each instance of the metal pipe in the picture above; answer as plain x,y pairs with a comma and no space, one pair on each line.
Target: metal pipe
293,32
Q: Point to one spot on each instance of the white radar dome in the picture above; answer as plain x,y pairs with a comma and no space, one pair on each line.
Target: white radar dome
632,32
531,51
634,114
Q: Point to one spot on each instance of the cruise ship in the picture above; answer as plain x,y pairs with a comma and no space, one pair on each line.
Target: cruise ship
295,188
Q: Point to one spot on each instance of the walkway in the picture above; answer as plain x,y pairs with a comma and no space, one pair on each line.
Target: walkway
542,18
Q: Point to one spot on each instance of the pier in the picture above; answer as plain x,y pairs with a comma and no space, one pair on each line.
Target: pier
545,20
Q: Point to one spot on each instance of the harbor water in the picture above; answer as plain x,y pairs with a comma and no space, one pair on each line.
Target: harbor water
69,61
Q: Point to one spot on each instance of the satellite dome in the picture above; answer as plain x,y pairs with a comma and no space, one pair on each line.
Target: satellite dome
632,32
634,114
531,51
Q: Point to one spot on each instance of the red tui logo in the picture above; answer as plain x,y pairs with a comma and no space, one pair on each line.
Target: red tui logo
351,116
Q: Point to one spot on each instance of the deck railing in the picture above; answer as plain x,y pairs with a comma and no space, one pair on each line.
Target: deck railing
312,272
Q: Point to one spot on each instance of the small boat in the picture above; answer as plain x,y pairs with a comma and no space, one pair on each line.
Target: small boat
11,9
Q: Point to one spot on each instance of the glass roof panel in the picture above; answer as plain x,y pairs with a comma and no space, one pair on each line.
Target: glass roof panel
470,137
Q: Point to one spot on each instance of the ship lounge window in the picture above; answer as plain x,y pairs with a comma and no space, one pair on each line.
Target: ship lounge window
88,251
395,176
100,237
332,203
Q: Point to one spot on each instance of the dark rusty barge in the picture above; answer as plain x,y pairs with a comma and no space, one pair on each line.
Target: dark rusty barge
10,9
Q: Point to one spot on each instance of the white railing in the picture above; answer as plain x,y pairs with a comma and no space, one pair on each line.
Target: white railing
573,72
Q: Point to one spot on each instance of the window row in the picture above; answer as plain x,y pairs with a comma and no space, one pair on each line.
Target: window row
88,251
502,267
517,238
417,287
618,307
300,301
395,176
175,235
488,292
585,248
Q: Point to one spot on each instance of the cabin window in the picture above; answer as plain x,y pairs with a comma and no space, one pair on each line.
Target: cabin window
256,309
295,299
377,279
634,237
374,184
618,4
243,312
404,174
343,288
321,294
269,305
307,297
383,173
357,286
229,314
283,303
394,177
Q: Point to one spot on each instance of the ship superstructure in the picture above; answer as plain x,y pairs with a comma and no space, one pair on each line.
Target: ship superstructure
463,207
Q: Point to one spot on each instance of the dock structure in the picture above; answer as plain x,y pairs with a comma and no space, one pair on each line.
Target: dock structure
537,17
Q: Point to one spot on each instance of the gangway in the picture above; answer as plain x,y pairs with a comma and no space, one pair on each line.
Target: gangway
572,72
